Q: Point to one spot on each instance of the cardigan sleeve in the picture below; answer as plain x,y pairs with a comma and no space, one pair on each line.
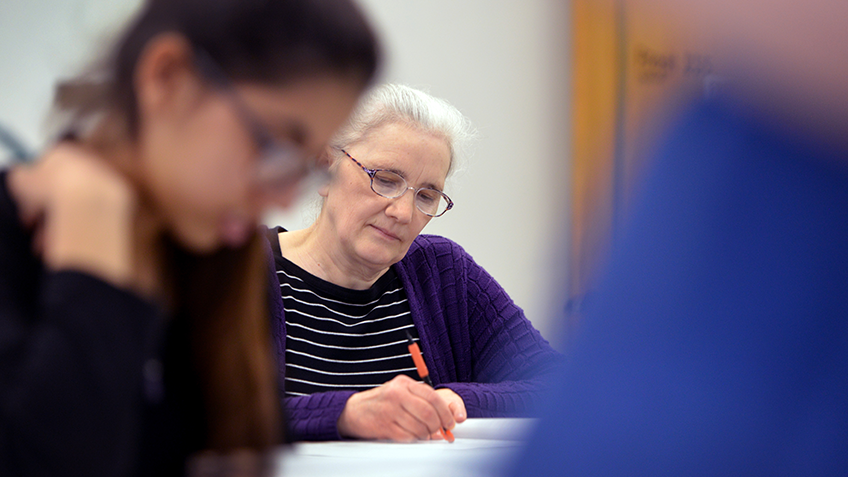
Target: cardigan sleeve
315,417
481,344
511,362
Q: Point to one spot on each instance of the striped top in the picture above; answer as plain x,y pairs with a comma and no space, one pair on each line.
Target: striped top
339,338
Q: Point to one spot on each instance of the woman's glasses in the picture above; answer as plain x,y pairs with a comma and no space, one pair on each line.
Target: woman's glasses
280,164
391,186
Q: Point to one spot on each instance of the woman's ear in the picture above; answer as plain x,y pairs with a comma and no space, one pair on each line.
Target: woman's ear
165,78
324,190
329,160
325,158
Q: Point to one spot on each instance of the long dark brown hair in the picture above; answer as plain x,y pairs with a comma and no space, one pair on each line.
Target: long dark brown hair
224,295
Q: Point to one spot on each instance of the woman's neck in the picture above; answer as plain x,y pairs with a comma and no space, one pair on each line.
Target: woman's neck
317,250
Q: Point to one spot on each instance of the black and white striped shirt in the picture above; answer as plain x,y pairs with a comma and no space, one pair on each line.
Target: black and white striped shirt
339,338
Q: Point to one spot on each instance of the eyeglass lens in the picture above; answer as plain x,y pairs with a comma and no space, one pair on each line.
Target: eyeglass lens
390,185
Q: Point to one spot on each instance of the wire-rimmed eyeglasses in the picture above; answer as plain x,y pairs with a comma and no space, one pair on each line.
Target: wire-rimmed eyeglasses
390,185
280,163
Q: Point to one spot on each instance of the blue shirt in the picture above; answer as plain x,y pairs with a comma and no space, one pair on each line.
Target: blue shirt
718,343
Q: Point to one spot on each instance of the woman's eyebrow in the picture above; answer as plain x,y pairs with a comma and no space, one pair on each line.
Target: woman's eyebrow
430,185
378,167
396,171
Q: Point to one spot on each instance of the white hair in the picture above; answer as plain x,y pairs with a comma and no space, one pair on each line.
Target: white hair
394,103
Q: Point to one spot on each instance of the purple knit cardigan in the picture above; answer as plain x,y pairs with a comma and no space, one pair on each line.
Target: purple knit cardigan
475,341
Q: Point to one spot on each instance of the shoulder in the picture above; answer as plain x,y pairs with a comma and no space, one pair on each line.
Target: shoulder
272,243
433,246
431,255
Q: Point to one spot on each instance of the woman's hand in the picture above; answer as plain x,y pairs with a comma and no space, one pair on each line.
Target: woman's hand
455,404
400,410
81,212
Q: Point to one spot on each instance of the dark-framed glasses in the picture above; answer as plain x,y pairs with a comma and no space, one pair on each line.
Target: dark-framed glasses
280,164
390,185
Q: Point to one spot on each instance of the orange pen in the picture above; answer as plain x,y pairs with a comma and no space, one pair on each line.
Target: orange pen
425,375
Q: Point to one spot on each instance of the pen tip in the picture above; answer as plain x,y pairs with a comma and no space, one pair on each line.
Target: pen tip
409,336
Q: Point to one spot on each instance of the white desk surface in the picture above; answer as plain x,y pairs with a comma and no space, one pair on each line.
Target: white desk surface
483,447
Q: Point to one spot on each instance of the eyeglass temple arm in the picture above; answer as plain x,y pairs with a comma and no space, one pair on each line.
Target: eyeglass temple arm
368,171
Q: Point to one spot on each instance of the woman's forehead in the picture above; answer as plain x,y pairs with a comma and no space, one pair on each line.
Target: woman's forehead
393,145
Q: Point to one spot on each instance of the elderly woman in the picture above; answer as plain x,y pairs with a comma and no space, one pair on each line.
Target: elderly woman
361,277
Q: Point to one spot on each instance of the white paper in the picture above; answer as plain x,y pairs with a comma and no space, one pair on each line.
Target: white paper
482,447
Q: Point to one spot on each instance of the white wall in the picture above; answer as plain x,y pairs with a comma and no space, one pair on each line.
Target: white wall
41,40
504,63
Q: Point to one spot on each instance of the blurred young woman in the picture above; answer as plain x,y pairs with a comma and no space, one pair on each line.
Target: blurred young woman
133,298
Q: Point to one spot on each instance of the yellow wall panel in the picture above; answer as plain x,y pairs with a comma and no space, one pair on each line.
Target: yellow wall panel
631,70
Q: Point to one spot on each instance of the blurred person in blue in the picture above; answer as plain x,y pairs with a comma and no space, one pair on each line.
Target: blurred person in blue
717,344
134,297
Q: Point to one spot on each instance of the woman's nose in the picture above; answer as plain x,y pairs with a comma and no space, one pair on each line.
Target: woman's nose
402,208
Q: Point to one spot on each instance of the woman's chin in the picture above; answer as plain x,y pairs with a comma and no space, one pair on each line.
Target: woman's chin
197,244
234,231
378,255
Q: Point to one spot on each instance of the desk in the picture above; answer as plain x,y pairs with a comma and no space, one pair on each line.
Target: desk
482,448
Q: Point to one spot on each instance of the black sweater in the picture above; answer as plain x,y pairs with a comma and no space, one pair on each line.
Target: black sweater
93,380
